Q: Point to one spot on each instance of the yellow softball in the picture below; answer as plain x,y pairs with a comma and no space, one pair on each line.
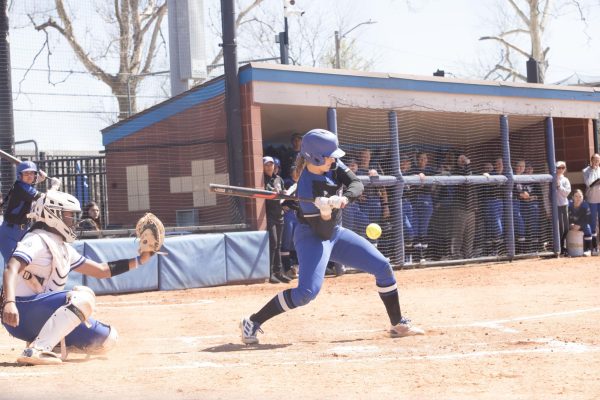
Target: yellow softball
373,231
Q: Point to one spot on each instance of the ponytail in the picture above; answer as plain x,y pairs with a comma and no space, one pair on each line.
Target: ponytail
300,164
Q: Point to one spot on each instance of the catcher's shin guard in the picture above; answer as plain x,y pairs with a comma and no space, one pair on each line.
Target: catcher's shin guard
81,302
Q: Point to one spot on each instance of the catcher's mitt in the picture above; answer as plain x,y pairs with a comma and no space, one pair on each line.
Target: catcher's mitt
151,233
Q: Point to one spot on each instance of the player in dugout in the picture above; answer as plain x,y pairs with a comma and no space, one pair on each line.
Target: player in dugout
320,238
35,306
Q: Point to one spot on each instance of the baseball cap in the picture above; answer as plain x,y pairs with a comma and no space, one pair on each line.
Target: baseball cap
268,159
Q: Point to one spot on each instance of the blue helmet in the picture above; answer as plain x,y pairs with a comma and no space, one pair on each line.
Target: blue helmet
26,166
318,144
277,162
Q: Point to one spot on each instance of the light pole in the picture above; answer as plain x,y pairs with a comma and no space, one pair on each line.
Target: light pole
339,37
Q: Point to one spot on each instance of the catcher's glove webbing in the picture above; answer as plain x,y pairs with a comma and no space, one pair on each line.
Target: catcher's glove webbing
151,233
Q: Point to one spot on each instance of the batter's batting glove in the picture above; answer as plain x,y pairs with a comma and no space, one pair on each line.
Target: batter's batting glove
324,206
338,201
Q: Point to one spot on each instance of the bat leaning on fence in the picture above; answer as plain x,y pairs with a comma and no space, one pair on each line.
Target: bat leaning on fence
253,193
53,183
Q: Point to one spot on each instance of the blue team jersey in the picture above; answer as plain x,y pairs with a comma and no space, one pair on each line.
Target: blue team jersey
312,186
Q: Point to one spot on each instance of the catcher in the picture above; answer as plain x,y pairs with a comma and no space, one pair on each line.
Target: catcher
35,306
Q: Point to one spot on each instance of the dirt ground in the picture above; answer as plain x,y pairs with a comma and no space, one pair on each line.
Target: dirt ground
521,330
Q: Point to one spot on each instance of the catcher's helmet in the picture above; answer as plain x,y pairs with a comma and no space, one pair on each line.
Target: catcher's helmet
318,144
49,208
26,166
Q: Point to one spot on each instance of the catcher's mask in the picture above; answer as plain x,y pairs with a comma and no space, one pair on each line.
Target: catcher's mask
58,210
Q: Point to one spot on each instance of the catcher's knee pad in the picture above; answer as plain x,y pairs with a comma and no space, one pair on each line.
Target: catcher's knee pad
82,302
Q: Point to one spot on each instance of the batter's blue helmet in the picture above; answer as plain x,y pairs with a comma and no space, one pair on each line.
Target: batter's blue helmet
276,162
26,166
318,144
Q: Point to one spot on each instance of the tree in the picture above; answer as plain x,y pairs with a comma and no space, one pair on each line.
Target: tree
131,34
522,34
311,43
123,49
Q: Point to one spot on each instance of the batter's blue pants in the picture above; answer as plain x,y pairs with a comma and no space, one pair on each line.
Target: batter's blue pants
34,311
345,247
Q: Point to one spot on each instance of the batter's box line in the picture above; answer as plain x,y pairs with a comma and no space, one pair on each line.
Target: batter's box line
552,346
498,324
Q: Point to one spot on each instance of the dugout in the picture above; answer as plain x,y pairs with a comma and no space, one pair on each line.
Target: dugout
163,158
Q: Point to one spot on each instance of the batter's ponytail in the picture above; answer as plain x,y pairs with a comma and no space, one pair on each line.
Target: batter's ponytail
300,164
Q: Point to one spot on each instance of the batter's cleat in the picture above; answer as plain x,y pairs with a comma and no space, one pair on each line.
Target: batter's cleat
404,328
249,330
33,356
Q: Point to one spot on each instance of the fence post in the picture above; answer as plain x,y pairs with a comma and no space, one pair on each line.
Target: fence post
396,212
509,232
551,158
332,120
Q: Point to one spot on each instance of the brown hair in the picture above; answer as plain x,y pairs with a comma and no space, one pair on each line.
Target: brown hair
300,164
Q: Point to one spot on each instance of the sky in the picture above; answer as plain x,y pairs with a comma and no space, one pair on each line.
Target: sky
414,39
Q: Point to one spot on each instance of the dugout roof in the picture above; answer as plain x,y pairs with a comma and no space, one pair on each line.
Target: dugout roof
292,98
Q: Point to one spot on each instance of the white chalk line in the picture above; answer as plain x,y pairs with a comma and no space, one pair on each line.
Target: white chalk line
498,324
143,304
193,340
550,346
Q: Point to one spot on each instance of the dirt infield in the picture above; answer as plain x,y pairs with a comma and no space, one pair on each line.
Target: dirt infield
524,330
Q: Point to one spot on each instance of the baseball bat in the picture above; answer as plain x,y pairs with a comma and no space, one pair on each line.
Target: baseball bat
253,193
15,160
9,157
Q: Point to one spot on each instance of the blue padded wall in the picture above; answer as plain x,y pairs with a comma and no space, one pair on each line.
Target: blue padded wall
193,261
144,278
247,255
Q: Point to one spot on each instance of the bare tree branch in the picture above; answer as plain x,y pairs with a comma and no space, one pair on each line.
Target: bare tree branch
514,31
520,13
155,34
504,42
136,41
238,21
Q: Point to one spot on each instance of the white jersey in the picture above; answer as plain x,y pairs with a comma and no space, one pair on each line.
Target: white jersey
49,260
